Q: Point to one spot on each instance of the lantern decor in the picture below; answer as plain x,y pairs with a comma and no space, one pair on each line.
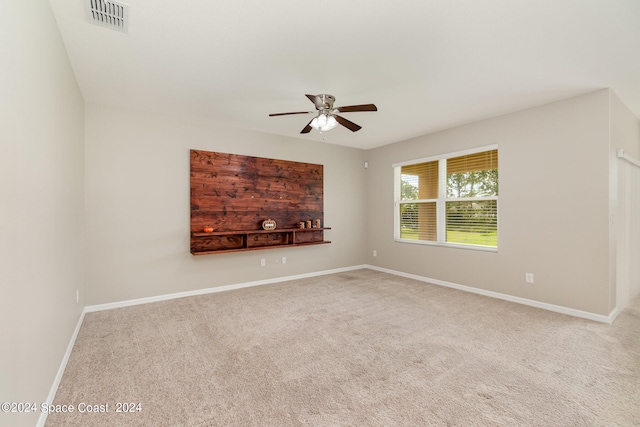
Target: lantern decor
316,224
301,224
269,224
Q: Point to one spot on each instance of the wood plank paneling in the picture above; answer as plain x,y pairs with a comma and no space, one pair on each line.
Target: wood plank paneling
231,192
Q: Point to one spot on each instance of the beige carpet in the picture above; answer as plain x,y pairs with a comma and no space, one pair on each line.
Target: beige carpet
360,348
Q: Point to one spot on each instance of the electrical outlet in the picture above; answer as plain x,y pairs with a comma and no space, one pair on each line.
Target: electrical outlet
375,253
528,277
284,259
263,262
77,296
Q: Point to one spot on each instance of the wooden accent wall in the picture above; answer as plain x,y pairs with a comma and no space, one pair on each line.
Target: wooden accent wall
236,193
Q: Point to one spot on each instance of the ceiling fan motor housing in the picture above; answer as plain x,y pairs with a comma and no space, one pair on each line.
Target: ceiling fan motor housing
327,101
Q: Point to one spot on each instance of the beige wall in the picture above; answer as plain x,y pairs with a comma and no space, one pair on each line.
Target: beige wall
625,128
137,206
41,204
553,208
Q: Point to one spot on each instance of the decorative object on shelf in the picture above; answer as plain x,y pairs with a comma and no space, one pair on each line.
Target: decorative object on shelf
309,224
301,224
269,224
317,224
208,229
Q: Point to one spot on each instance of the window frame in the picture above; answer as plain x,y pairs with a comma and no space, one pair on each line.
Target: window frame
441,201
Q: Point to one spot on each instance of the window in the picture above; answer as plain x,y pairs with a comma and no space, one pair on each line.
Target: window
448,200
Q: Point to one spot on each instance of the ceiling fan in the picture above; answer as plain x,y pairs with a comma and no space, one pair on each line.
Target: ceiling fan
327,116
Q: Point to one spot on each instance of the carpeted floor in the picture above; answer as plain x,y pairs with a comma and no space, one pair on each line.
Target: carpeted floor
360,348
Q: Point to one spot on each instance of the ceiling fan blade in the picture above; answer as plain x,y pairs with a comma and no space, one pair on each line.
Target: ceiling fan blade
307,128
287,114
352,108
348,124
317,101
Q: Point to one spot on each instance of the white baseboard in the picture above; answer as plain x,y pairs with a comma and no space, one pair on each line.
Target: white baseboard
63,365
532,303
166,297
616,311
551,307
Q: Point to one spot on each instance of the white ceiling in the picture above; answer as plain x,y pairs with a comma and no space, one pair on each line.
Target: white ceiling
428,65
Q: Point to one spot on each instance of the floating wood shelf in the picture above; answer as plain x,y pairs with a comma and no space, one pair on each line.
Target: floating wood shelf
238,241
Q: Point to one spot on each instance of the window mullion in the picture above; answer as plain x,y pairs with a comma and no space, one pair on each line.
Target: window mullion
417,201
441,208
396,205
470,199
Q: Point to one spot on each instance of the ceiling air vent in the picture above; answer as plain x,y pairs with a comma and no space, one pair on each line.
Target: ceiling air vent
108,13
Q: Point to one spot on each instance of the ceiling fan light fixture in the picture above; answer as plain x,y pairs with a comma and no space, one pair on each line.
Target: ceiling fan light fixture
324,122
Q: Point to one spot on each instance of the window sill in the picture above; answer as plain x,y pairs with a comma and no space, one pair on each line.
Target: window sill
448,245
